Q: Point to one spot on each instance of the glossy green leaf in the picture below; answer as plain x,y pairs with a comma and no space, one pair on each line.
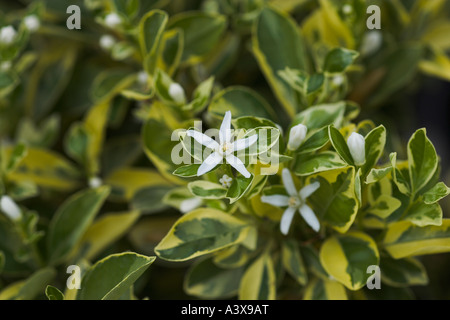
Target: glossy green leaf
200,232
339,59
72,220
347,257
405,239
112,276
258,281
208,281
277,44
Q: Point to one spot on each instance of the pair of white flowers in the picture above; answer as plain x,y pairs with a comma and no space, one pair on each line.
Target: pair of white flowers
356,143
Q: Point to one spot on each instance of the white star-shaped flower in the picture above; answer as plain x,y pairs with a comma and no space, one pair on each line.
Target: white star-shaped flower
295,201
223,149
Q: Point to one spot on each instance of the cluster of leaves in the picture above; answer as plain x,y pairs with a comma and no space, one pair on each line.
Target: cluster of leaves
80,120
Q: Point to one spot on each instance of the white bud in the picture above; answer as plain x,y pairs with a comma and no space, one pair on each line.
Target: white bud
113,20
357,146
177,93
95,182
7,35
32,23
371,42
338,80
107,42
347,9
190,204
5,66
296,136
226,181
10,208
142,77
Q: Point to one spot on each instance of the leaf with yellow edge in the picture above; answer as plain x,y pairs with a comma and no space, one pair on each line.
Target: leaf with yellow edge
46,169
320,289
347,257
125,182
402,272
405,239
200,232
106,230
259,281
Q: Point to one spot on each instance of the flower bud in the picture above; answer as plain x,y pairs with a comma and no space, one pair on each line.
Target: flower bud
357,146
177,93
112,20
296,136
371,42
95,182
7,35
107,42
32,23
10,208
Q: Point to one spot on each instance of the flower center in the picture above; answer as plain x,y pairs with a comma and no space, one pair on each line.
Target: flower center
294,202
226,148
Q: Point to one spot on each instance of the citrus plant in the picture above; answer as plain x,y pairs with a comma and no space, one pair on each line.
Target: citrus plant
239,140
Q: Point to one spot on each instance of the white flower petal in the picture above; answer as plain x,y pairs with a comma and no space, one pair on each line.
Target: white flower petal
288,182
203,139
236,163
286,220
213,160
309,216
308,190
276,200
190,204
10,208
242,144
225,129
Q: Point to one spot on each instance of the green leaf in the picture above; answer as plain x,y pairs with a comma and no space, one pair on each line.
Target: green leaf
314,140
340,145
375,141
202,32
313,163
241,101
46,169
106,230
321,116
423,214
422,160
208,281
187,171
149,199
335,201
200,232
19,152
238,188
72,220
151,29
384,206
347,257
29,288
293,262
321,289
259,282
436,193
207,190
402,272
201,96
339,59
405,239
277,44
53,293
377,174
112,276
